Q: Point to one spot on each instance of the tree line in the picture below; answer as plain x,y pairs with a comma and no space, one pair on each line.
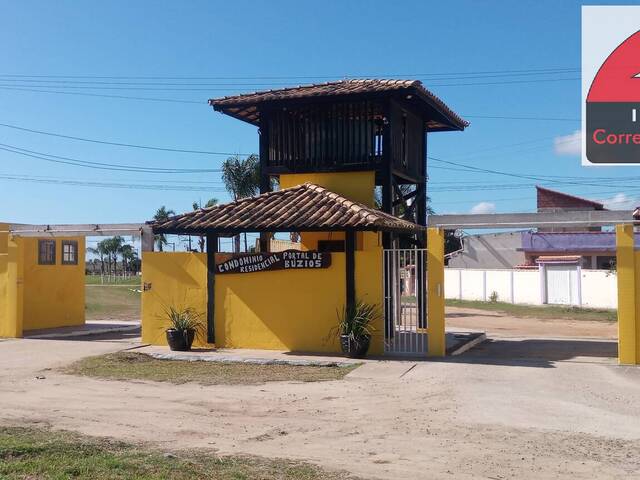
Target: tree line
241,178
116,256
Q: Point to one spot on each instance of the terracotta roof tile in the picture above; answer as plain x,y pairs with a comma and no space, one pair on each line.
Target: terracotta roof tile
306,207
548,198
244,106
558,259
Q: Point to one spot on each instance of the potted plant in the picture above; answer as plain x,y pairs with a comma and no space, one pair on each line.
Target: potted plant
185,323
355,326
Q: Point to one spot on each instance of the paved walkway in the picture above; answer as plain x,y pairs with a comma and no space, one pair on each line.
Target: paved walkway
90,328
263,357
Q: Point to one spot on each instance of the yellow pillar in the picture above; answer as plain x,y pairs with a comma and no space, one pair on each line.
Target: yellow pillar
435,292
10,302
628,301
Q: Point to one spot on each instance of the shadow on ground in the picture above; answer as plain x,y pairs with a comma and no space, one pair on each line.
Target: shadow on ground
130,335
540,353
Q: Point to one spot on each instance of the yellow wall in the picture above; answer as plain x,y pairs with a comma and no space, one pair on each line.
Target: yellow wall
36,296
436,337
8,320
356,186
175,279
280,310
53,295
628,270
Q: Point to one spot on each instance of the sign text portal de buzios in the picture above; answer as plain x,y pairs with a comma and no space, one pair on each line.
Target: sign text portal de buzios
287,260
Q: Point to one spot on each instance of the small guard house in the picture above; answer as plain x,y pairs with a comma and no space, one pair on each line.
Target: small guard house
350,160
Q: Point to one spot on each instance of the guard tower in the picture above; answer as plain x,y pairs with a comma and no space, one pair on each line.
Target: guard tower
350,126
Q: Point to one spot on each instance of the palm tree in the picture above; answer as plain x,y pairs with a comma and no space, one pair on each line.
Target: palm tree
196,206
161,215
104,252
99,251
112,248
128,254
241,178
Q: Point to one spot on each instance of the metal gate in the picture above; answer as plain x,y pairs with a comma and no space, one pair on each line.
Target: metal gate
405,301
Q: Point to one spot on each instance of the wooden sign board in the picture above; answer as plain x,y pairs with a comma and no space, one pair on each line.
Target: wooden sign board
262,262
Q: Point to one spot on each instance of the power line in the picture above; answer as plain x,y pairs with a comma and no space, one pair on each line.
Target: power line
530,71
510,82
635,189
89,183
185,82
123,97
515,175
234,87
98,165
119,144
497,117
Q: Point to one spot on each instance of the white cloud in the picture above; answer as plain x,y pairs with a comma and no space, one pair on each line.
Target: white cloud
483,207
620,201
568,145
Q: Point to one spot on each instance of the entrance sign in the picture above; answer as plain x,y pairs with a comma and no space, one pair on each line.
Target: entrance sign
262,262
610,85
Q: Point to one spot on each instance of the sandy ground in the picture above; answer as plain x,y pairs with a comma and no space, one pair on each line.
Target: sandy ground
503,325
525,409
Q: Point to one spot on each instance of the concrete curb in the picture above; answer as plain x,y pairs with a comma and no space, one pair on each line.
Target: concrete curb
194,357
87,333
468,345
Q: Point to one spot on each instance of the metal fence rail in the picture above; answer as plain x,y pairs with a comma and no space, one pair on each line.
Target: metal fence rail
405,312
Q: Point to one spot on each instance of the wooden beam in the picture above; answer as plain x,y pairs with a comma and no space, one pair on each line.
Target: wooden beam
212,248
76,230
590,218
350,251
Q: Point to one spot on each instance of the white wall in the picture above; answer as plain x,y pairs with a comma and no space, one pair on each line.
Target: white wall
598,287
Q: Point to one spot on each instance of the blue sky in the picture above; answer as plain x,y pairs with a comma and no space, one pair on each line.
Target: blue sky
225,41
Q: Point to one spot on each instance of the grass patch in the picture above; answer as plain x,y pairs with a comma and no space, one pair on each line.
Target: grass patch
138,366
27,453
539,311
110,302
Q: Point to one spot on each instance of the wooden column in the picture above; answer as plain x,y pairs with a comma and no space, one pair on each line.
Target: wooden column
212,248
146,238
386,174
350,262
265,179
421,219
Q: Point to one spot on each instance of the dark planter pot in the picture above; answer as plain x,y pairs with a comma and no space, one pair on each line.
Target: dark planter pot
354,348
179,340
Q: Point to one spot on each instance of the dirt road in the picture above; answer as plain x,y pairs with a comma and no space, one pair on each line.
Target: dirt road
503,325
510,409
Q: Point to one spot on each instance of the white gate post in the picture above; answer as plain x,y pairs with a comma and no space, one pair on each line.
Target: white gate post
512,295
542,271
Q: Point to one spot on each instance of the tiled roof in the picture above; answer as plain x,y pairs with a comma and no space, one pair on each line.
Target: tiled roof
553,199
245,106
558,259
303,208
